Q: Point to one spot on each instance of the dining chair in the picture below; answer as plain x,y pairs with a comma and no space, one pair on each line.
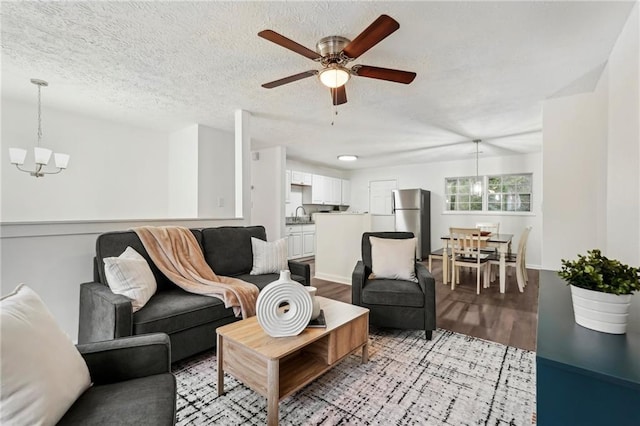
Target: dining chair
518,260
466,251
494,228
440,254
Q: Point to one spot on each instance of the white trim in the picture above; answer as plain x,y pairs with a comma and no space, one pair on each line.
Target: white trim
486,213
333,278
89,227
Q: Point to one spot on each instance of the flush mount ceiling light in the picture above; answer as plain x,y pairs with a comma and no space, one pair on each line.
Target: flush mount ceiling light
347,157
334,76
41,155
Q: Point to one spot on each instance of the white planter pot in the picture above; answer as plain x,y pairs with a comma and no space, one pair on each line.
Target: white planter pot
599,311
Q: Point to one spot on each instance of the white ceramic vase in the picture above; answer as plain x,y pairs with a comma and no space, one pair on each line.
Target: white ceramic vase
284,307
316,304
599,311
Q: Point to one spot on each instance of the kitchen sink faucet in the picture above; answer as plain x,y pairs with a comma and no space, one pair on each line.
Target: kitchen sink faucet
296,215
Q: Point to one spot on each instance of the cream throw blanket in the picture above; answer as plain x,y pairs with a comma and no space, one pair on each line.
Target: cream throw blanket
175,251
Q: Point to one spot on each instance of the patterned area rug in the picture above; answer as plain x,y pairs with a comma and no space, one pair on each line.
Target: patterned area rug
451,380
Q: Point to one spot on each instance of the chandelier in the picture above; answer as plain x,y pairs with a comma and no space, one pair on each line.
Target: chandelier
41,155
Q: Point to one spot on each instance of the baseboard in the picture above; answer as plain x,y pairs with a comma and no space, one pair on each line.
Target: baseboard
334,278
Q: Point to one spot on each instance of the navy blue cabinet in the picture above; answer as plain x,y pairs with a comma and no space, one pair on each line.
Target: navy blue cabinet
584,377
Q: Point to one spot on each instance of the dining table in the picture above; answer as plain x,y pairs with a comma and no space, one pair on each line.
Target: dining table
501,241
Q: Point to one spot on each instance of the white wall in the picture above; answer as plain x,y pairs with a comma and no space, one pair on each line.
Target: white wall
216,173
430,176
623,173
267,190
116,171
592,155
574,168
183,172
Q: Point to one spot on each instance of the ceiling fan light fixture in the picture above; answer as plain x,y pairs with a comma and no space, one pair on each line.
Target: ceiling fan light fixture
334,76
347,157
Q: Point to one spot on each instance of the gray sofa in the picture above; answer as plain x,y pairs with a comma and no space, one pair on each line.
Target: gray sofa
189,319
132,383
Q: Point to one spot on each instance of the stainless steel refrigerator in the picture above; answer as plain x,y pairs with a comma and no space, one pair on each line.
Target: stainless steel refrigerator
412,208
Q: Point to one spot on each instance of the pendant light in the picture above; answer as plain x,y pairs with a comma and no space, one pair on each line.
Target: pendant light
41,155
477,186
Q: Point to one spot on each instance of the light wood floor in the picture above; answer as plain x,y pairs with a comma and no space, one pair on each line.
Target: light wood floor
510,318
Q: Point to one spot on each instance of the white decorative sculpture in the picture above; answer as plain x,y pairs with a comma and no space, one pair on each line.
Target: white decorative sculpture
284,307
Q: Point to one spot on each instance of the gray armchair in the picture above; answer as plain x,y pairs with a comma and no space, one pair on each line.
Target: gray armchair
394,303
132,383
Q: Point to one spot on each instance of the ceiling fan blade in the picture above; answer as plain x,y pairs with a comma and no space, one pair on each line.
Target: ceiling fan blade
289,79
397,76
276,38
372,35
339,95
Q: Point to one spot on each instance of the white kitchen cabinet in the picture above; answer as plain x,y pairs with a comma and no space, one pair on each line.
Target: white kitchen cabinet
294,241
346,193
301,240
308,240
335,196
307,179
318,189
287,187
301,178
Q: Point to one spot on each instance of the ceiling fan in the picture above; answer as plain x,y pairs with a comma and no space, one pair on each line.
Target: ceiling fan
335,52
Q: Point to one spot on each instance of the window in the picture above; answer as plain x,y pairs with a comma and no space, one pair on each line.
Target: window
504,193
509,193
463,194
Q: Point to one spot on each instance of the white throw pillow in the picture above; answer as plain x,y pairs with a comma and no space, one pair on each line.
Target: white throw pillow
393,258
130,275
42,371
269,258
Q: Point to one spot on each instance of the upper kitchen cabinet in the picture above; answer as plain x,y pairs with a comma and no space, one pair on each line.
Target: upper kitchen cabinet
301,178
319,191
326,190
345,193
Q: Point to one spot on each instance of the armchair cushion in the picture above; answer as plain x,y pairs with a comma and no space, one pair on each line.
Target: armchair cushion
142,401
393,258
393,293
42,372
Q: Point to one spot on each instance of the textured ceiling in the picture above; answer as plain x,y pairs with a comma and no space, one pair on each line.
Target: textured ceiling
483,70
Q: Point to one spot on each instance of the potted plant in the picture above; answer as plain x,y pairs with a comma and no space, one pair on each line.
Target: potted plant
601,291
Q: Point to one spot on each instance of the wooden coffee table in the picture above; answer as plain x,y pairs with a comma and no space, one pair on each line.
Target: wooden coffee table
276,367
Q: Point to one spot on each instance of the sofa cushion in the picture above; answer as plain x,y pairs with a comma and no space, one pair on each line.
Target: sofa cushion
175,310
113,244
262,280
145,401
227,249
129,275
392,292
42,371
269,257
